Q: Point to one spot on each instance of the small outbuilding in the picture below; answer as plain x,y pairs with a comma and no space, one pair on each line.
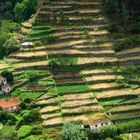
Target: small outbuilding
95,124
10,106
99,123
26,44
3,80
6,88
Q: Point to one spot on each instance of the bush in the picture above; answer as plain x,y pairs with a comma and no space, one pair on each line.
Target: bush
31,116
11,45
31,75
25,9
24,131
8,75
3,37
7,118
37,130
8,133
108,131
27,130
71,132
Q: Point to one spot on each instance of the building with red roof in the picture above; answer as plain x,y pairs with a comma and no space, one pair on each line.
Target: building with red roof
11,105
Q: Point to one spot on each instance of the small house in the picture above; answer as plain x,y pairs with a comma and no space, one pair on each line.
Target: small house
95,124
3,81
99,123
10,106
6,88
26,44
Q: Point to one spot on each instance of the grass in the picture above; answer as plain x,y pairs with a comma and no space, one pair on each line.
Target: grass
34,137
111,102
131,75
125,115
124,108
7,130
128,125
24,131
70,89
53,133
26,94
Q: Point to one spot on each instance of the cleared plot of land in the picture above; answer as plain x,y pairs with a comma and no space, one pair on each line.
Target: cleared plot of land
49,109
124,108
116,93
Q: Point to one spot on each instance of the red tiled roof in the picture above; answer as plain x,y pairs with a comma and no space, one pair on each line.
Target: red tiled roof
99,121
5,86
11,102
1,78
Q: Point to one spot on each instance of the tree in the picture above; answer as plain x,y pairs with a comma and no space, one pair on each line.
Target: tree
11,45
108,132
25,9
8,75
71,132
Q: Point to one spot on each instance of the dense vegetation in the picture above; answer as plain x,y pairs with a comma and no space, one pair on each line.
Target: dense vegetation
12,13
125,17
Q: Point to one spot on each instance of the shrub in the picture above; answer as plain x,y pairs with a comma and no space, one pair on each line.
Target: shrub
37,130
31,116
8,75
8,133
71,132
24,131
25,9
108,131
7,118
11,45
3,37
31,75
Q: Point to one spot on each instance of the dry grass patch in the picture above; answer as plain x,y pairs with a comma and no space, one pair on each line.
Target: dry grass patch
30,64
96,60
48,109
48,102
70,104
124,108
115,93
53,122
104,85
82,109
76,118
78,96
30,54
49,116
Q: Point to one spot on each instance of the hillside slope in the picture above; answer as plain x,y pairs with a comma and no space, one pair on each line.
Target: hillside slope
73,44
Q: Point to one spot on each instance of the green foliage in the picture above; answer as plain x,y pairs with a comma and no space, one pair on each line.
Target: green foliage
11,45
8,133
129,42
7,118
8,75
27,130
129,125
31,75
31,116
25,9
24,131
71,132
6,30
10,26
62,60
108,131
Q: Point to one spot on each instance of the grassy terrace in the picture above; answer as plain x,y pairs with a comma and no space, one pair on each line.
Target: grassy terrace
72,71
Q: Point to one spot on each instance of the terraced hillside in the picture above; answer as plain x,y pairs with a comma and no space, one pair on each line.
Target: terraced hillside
73,44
